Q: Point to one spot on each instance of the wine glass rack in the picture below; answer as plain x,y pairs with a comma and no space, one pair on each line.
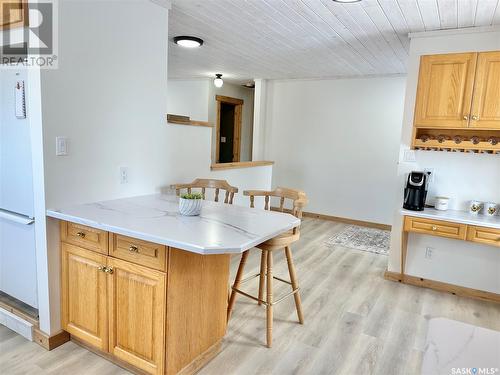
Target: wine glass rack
457,140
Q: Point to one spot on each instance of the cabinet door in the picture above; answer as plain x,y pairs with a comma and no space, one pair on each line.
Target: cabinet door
444,93
84,311
13,13
486,102
137,300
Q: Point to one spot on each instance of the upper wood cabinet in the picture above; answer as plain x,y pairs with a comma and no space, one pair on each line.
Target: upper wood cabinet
83,287
485,111
13,13
444,91
459,90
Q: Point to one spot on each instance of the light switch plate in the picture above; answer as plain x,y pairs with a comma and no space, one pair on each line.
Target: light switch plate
61,146
123,175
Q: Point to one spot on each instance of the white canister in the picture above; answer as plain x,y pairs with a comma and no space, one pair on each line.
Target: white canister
190,207
475,207
441,203
490,209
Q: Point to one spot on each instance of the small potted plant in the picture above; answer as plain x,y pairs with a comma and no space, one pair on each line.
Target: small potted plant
190,204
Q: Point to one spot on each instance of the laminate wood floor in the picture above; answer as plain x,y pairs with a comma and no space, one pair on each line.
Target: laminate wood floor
355,321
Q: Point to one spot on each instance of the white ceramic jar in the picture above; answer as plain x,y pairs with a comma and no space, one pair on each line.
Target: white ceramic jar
441,203
190,207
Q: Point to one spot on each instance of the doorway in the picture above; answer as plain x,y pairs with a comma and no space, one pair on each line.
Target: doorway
228,141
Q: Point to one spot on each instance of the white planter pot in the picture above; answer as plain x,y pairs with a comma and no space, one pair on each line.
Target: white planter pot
190,207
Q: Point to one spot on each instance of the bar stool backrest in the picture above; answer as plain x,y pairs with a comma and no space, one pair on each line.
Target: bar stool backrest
203,184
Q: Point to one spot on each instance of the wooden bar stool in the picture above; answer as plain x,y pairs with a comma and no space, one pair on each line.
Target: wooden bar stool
283,241
203,184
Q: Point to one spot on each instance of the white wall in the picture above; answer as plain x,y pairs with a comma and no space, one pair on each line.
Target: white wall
109,97
338,141
259,119
461,176
188,97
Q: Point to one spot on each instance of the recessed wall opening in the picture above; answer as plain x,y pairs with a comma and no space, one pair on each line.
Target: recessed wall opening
228,129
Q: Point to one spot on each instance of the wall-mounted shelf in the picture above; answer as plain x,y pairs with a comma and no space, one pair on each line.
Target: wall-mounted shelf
241,164
185,120
457,140
193,123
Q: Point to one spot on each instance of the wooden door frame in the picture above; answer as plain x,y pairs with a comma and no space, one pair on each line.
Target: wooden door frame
238,109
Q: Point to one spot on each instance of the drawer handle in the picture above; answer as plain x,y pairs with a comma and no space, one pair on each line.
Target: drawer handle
81,234
434,227
133,249
101,268
108,270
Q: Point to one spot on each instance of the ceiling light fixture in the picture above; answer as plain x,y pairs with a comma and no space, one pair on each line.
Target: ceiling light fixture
347,1
249,85
218,82
188,41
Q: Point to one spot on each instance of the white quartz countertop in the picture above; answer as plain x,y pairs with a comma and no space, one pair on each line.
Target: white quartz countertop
462,217
220,229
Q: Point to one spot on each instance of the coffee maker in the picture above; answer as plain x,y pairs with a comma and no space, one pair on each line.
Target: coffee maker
415,191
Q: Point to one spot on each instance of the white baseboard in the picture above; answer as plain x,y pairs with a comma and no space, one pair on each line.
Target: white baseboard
16,324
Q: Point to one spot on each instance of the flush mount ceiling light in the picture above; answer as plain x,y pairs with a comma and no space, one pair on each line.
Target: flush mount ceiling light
188,41
218,82
346,1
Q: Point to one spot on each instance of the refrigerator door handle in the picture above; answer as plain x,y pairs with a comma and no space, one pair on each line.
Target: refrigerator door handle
16,218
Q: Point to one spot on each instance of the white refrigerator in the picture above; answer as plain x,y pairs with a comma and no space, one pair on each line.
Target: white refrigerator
17,229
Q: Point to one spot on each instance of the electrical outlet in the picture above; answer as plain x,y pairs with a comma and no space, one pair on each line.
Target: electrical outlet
61,146
428,252
123,175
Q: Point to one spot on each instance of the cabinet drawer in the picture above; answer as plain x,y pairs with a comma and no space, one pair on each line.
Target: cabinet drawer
140,252
435,227
86,237
487,236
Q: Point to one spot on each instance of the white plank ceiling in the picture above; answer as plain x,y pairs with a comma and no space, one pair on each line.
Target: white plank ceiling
246,39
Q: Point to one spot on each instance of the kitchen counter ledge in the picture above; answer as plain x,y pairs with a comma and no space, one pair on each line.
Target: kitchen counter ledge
462,217
220,229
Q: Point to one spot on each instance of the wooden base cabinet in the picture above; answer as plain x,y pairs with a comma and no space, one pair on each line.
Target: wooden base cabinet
84,302
155,322
137,300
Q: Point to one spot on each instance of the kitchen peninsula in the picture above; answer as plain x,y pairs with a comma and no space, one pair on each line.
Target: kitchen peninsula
148,288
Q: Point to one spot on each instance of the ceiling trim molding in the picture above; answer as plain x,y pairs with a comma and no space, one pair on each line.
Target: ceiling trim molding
167,4
466,30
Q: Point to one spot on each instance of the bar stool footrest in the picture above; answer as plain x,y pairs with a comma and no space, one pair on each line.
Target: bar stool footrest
265,303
